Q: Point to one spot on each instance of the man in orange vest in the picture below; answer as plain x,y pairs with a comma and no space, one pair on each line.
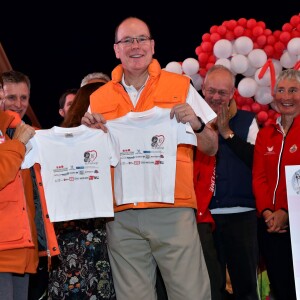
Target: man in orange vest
144,235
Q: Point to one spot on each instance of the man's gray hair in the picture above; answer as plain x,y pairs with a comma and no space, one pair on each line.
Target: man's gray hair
94,76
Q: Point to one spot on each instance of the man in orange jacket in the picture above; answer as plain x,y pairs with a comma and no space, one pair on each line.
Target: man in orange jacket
18,254
39,232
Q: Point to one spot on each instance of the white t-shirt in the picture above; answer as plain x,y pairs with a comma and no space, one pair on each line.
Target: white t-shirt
75,168
147,142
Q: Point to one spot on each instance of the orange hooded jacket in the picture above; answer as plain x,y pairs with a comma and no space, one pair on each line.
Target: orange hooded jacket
18,235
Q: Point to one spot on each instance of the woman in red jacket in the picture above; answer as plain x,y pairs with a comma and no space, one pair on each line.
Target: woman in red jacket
277,146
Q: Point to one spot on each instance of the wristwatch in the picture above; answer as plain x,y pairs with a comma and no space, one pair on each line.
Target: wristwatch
201,127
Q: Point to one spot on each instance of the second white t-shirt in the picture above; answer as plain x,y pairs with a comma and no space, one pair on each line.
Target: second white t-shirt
75,169
147,142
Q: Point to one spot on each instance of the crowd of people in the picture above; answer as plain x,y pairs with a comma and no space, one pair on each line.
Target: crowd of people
211,199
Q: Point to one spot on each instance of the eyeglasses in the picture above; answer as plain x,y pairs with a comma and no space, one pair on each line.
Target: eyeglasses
221,93
130,40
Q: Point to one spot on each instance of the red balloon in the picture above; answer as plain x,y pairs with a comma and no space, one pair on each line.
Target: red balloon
202,72
208,66
262,24
279,47
225,23
271,40
267,32
271,113
202,58
206,37
295,20
238,31
198,50
262,116
231,24
248,33
261,40
251,23
285,37
255,45
215,37
269,50
242,22
229,35
207,46
212,59
287,27
257,30
277,55
268,122
295,33
255,107
264,107
249,101
276,34
240,101
222,30
213,29
246,107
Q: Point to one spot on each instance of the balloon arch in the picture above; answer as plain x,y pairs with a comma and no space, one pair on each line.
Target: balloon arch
254,53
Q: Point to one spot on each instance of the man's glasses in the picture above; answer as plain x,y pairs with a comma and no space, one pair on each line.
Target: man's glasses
130,40
221,93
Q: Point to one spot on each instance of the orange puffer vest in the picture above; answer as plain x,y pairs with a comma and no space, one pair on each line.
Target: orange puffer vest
163,89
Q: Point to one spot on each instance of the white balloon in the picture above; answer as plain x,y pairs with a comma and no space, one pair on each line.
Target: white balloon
288,60
265,80
190,66
197,81
247,87
250,71
257,58
263,95
293,46
239,63
224,62
243,45
277,66
174,67
234,52
222,48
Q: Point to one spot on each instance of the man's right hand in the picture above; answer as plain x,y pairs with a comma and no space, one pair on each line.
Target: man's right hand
94,120
24,133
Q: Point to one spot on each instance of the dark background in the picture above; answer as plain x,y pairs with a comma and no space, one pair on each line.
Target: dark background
57,44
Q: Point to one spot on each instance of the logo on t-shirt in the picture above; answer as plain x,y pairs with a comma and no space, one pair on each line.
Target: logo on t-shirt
157,141
90,156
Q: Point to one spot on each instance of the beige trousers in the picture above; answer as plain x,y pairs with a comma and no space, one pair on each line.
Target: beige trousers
141,239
